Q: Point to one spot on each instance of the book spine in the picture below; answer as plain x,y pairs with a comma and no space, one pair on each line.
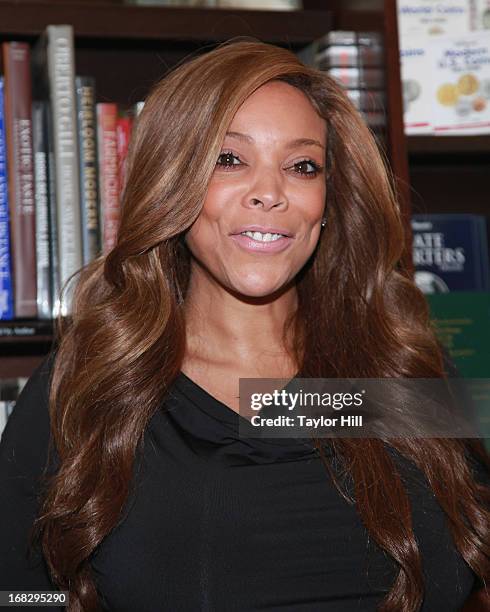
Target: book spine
41,91
89,180
124,128
61,70
53,217
18,124
40,153
108,173
6,285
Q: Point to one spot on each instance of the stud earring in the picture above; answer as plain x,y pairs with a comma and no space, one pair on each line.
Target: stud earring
324,222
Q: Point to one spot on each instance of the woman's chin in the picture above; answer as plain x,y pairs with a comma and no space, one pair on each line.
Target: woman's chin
258,289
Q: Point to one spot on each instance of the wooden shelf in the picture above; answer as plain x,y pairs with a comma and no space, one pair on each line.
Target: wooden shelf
110,21
449,174
448,144
359,20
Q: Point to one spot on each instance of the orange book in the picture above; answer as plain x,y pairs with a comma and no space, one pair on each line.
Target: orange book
107,113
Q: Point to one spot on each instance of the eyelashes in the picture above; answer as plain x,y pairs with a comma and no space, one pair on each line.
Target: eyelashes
230,157
229,164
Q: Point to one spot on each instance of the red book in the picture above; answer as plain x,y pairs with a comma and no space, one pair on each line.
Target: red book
18,130
123,128
108,173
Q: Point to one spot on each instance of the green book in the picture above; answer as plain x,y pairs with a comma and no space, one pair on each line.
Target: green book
462,324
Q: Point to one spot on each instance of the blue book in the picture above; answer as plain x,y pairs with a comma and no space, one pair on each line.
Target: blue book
6,285
450,253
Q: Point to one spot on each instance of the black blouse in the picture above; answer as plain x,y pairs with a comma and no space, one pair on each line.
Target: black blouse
220,523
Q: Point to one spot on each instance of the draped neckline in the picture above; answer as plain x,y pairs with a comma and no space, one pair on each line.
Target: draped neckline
212,422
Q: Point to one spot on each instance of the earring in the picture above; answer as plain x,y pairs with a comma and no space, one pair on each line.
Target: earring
324,222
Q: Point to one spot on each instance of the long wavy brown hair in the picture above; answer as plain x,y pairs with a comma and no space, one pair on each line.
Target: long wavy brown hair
358,314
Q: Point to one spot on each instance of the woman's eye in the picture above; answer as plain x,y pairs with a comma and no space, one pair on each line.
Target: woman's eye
307,167
227,160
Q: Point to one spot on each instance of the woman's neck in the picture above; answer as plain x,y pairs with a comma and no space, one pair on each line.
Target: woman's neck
225,330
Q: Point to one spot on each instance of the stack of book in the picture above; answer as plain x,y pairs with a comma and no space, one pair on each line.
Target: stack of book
356,61
61,174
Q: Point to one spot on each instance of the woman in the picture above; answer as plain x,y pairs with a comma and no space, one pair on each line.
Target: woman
152,501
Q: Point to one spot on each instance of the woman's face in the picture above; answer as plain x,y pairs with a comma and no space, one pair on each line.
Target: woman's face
269,178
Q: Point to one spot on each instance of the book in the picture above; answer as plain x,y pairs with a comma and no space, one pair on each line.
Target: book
415,62
107,113
40,153
54,74
89,172
461,84
450,253
18,129
445,66
6,284
355,60
124,127
462,323
348,56
53,218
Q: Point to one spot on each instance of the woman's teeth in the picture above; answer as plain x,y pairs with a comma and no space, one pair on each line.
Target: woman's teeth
262,237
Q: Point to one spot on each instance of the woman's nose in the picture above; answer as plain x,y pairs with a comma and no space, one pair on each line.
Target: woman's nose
267,192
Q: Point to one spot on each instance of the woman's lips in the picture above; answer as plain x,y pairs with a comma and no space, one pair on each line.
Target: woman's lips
256,246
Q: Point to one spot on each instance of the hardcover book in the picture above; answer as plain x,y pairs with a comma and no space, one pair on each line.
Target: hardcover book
450,253
462,323
107,113
6,284
40,150
461,84
54,75
18,129
89,178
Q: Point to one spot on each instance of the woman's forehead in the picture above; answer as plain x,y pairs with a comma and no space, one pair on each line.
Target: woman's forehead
279,108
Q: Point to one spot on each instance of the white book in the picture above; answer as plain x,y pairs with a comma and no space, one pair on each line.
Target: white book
54,63
460,88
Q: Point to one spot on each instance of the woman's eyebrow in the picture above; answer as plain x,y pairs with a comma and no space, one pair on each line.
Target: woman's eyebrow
297,142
